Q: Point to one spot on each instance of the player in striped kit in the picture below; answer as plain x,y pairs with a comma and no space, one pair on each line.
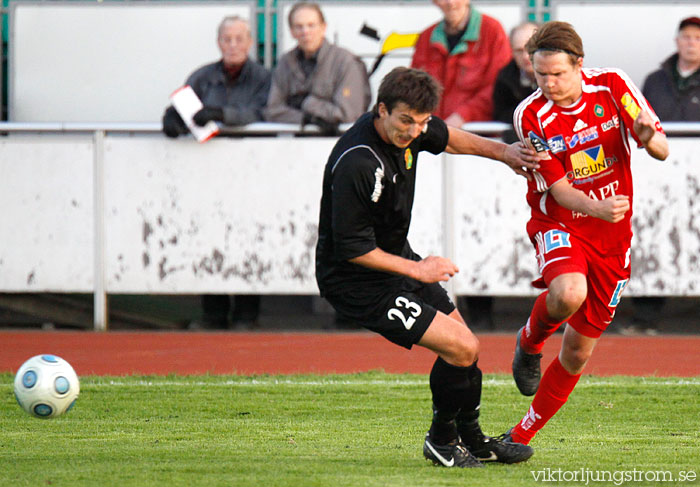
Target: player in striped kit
581,200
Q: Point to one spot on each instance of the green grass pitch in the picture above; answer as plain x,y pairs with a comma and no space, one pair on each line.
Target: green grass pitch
339,430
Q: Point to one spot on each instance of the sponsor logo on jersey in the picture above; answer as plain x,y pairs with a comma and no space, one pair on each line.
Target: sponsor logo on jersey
378,186
408,158
549,120
579,125
613,122
587,162
630,105
598,110
556,144
537,143
609,161
582,137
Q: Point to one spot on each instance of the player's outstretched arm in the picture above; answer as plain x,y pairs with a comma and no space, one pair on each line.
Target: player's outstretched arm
612,209
518,157
654,141
429,270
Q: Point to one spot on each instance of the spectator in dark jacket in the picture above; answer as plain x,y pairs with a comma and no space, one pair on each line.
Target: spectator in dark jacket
516,80
674,90
233,90
674,93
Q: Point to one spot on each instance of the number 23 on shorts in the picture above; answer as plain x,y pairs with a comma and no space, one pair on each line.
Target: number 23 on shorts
405,311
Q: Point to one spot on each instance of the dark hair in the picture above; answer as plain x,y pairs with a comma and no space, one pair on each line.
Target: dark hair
414,87
300,5
556,37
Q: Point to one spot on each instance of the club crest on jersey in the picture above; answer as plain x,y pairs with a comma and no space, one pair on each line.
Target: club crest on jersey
408,158
630,105
598,110
588,162
556,144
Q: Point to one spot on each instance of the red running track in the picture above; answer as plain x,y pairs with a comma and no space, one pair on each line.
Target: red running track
192,353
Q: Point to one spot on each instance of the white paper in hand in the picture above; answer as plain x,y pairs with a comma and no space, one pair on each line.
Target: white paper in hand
187,103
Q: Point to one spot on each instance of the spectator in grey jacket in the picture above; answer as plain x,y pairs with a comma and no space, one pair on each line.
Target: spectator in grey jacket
233,90
316,82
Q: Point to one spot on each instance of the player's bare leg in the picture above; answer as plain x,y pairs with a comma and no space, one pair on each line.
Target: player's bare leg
563,298
575,351
455,382
450,337
567,292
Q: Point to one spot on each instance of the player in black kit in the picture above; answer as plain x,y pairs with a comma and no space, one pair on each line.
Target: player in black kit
367,270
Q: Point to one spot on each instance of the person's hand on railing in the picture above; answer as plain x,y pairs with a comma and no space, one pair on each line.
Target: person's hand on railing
207,114
173,125
325,127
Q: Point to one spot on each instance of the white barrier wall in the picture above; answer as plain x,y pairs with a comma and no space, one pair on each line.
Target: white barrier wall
46,229
240,215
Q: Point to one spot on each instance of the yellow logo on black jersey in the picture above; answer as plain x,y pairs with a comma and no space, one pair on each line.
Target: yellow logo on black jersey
408,158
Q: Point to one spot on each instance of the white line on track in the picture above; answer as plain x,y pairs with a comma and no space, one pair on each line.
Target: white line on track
592,382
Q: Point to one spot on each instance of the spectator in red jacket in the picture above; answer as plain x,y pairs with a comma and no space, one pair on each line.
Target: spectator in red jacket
464,52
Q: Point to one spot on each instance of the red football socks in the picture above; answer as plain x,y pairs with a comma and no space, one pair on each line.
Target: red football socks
554,390
540,326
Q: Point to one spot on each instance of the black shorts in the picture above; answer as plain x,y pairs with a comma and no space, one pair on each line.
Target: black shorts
400,313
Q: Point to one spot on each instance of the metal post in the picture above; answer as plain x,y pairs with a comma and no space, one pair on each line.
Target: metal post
448,217
539,10
3,13
268,33
100,295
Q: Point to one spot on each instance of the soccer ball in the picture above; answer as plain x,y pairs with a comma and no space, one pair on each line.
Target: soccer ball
46,386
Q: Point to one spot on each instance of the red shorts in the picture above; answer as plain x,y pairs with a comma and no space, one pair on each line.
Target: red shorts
559,252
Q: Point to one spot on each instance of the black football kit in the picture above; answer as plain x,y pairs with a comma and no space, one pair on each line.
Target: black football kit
368,191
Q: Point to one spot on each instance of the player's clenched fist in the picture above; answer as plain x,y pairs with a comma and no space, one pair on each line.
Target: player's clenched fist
434,268
613,208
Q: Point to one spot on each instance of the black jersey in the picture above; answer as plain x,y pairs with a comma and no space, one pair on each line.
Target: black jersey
368,190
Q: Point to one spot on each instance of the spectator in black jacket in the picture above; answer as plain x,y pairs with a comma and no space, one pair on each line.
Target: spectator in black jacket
674,93
516,80
674,90
233,89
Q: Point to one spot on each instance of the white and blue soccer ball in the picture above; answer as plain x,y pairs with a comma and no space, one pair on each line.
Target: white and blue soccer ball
46,386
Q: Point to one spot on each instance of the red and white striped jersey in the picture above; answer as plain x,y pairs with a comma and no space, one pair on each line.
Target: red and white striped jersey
587,143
